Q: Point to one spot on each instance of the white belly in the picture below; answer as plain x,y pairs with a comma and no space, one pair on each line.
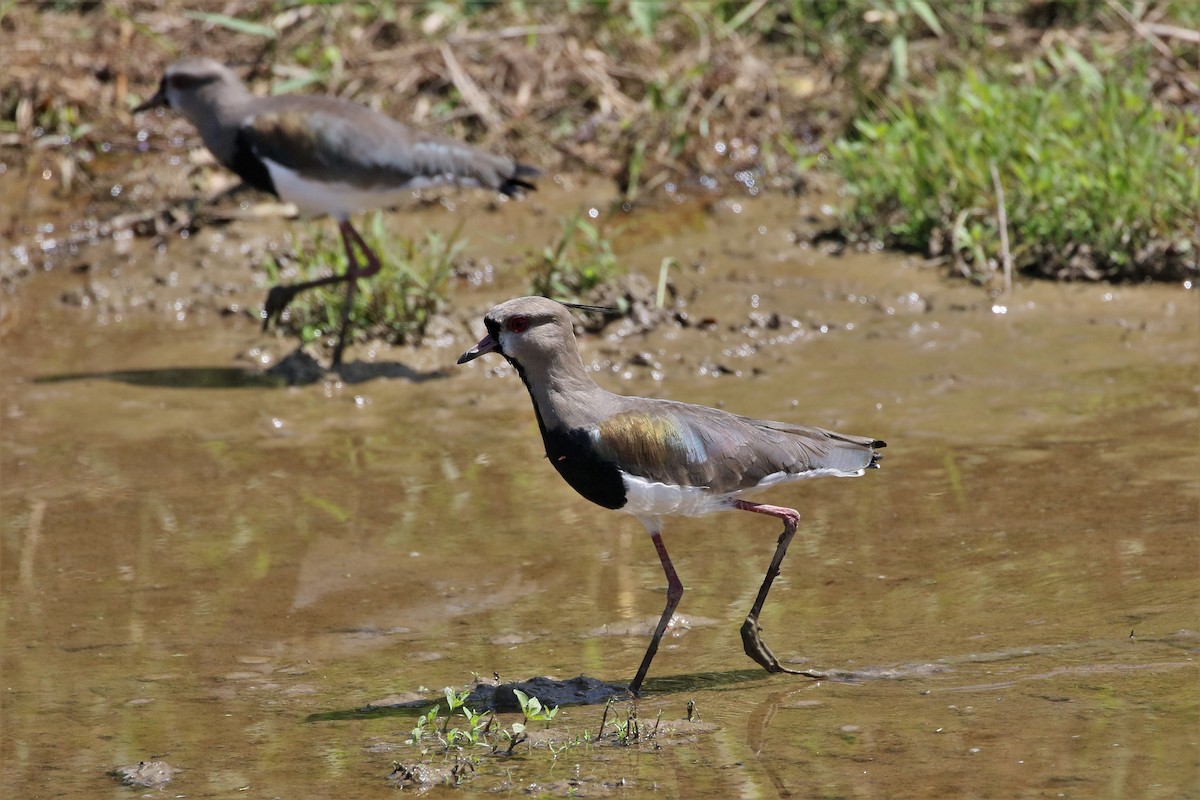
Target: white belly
645,498
314,198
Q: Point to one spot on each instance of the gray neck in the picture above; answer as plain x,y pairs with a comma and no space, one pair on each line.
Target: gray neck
564,393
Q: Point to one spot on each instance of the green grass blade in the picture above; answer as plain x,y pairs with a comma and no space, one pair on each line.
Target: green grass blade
234,24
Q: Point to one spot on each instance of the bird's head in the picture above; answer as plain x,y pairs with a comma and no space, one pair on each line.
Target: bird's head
527,331
187,85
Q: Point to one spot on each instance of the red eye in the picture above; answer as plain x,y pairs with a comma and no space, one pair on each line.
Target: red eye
519,324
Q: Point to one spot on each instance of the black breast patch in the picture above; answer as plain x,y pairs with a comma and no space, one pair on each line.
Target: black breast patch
248,166
575,458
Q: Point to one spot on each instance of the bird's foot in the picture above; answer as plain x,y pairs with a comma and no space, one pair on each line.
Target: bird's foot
277,300
757,649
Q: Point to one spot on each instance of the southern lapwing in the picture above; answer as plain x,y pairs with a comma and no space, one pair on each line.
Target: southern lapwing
653,458
325,155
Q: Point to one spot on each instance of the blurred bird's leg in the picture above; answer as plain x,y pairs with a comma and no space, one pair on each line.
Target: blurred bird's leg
351,239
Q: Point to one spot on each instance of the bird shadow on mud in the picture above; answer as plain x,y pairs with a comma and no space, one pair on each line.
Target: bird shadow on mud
551,692
297,369
300,368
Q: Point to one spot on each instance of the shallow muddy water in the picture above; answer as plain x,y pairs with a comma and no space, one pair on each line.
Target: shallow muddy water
211,569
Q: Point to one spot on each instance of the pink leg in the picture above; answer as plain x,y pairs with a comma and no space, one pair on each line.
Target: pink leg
674,593
752,641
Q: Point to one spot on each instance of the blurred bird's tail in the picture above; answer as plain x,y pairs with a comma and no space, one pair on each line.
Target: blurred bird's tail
520,180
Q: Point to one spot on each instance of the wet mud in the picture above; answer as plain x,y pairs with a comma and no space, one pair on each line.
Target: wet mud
204,565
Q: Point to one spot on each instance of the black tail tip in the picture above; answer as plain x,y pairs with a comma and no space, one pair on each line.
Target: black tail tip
520,180
876,456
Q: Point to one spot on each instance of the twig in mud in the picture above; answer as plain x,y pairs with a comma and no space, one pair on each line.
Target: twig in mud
470,91
1141,30
1002,223
407,53
1152,33
604,719
660,294
514,32
1172,32
602,82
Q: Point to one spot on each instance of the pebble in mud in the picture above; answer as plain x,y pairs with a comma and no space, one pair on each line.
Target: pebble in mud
424,776
147,774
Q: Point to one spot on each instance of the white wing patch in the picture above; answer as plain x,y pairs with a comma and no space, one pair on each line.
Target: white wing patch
341,199
787,477
645,498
